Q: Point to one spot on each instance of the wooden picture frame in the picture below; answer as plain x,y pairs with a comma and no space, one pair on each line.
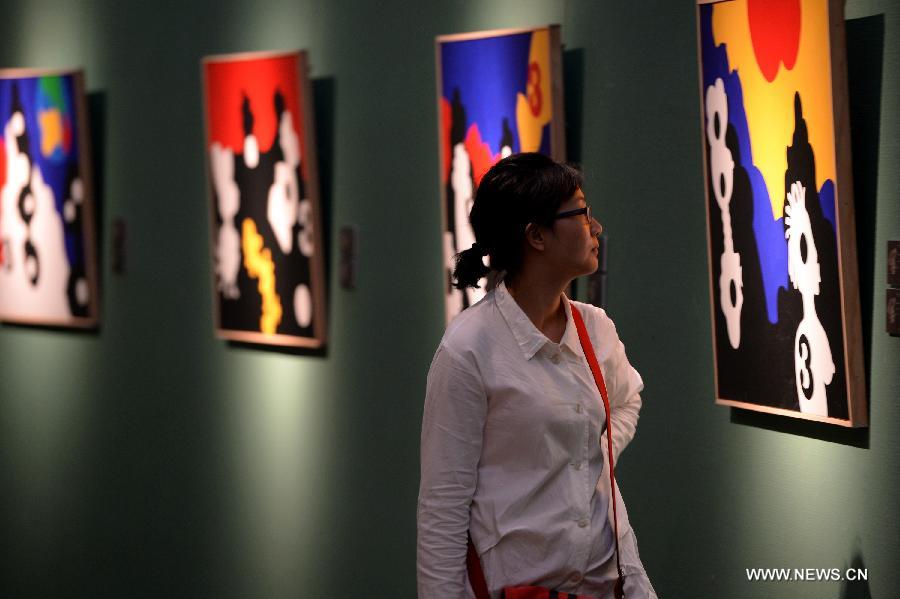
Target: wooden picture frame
784,290
265,224
48,245
498,92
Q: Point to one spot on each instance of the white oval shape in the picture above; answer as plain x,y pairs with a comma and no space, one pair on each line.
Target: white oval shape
251,151
82,292
302,305
69,211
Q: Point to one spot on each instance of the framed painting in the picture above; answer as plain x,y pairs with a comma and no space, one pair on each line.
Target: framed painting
498,93
779,198
267,249
48,264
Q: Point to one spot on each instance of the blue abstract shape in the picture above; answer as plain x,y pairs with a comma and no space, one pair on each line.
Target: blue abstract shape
545,140
488,74
55,172
768,231
826,201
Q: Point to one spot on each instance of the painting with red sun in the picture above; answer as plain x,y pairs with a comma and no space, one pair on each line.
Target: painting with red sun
266,238
780,224
499,93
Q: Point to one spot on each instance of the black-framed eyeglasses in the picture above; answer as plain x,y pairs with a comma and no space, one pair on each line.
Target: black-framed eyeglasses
586,211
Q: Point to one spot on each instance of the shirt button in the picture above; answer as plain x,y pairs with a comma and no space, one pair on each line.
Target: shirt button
578,465
555,358
576,577
583,523
579,408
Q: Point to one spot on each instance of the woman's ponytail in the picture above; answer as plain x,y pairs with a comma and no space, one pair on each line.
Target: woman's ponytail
470,267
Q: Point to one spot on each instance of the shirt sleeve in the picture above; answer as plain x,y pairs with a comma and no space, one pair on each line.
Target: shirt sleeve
624,386
452,432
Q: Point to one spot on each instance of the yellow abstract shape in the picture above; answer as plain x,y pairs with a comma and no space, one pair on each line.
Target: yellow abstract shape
259,265
51,122
770,106
534,108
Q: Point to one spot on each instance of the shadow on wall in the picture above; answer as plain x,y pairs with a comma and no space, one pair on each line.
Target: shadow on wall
865,55
865,52
854,437
573,101
323,92
288,350
856,589
96,114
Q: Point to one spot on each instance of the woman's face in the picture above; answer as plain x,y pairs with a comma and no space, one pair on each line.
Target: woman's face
571,243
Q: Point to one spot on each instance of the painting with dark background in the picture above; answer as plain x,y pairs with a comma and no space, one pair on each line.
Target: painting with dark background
265,225
772,163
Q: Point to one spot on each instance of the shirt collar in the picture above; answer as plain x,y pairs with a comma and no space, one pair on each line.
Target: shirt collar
570,335
528,337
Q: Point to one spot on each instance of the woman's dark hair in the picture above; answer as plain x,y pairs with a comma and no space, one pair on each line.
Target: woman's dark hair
518,190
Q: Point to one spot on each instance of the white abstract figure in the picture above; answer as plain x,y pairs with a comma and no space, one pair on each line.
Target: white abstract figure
305,235
302,305
284,193
228,199
461,181
251,151
76,196
813,364
453,303
731,281
82,291
76,191
5,263
36,274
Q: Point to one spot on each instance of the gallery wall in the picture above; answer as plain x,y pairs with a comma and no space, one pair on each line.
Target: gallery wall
151,459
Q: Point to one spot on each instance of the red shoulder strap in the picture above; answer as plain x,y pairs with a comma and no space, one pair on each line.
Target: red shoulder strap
588,349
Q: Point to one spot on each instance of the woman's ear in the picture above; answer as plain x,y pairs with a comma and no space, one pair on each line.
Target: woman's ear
534,236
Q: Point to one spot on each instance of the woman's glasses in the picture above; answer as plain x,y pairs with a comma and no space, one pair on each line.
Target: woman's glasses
586,211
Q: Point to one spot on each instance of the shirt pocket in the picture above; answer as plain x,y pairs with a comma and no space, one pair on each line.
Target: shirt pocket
533,427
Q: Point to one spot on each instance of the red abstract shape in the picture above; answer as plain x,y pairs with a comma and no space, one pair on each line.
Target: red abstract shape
257,79
2,163
67,135
479,153
2,183
446,125
775,33
535,100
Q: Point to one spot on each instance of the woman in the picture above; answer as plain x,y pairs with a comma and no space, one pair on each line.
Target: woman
512,453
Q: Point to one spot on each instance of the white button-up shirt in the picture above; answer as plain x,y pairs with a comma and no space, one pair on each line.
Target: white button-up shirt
512,454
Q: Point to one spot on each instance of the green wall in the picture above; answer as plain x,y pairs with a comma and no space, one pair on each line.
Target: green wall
150,459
